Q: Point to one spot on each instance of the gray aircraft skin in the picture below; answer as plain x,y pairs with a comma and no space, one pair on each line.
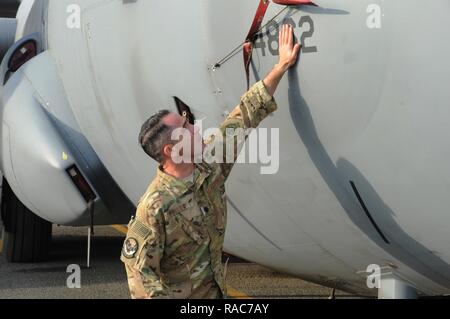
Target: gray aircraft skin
363,119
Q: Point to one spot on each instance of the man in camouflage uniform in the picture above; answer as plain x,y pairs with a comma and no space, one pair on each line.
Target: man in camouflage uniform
173,247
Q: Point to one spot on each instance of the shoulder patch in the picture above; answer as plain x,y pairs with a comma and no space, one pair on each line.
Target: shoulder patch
139,229
130,247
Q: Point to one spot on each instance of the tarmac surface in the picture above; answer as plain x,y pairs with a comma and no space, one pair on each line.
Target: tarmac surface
106,277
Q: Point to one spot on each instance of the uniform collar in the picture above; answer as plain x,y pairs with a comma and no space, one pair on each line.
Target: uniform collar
201,172
179,186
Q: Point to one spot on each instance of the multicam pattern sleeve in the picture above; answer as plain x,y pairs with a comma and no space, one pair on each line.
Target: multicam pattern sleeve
255,105
142,252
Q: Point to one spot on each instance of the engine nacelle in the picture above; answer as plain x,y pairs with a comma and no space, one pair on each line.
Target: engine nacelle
48,163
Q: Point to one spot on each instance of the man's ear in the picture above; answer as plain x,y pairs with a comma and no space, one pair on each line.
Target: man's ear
167,150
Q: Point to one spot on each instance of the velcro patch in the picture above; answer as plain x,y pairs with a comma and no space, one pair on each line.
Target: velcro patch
140,229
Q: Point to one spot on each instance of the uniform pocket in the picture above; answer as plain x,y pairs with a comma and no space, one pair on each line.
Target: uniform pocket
220,222
135,245
181,290
137,259
189,228
188,217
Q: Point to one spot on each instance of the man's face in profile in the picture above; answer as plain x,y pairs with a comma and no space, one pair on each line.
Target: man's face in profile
180,123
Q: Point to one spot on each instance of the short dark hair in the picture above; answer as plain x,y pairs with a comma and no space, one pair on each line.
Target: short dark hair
154,134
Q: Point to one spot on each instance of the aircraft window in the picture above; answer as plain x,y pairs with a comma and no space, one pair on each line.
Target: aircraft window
22,55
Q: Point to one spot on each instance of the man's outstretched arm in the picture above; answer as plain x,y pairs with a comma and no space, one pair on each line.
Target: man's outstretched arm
288,57
258,102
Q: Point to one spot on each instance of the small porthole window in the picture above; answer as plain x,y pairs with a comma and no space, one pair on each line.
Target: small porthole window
22,55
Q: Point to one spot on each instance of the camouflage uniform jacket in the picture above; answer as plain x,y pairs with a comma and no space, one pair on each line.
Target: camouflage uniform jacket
174,243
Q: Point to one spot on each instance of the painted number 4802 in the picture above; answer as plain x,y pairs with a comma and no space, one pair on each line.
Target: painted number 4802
270,39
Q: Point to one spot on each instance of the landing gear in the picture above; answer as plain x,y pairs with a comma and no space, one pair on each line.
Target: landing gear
392,287
27,237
